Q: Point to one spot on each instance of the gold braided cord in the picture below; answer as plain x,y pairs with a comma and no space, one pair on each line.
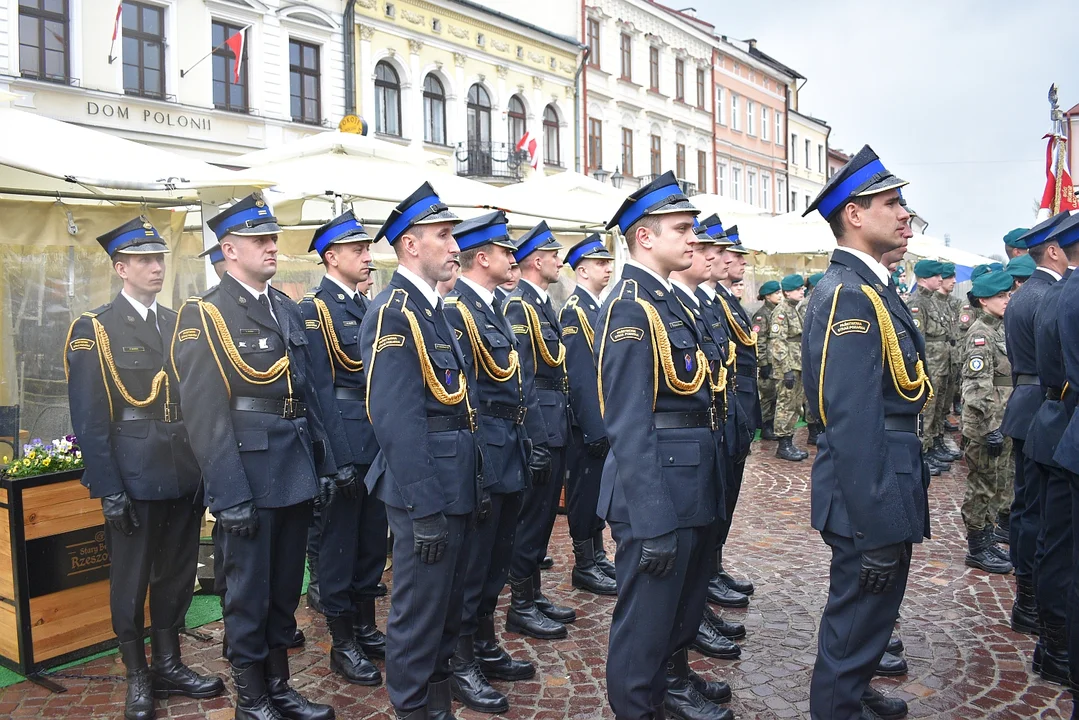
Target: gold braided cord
67,369
430,379
338,356
104,351
599,362
535,331
749,340
732,353
586,328
210,344
479,350
661,345
248,373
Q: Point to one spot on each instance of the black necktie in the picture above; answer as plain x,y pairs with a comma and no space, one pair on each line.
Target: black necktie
264,301
151,320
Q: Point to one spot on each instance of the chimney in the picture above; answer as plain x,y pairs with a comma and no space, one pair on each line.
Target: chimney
752,43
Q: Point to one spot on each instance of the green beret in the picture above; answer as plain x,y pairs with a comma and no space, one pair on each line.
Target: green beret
792,282
947,270
928,268
990,284
814,279
1012,238
1021,267
767,289
978,271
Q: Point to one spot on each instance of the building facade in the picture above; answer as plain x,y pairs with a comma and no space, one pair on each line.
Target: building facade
836,160
807,158
463,80
168,78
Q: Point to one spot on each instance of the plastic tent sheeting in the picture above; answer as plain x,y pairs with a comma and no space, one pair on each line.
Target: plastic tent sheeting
566,199
727,209
62,159
340,143
783,234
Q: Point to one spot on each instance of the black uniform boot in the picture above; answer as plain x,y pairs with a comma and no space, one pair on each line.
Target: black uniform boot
944,451
172,677
495,662
1025,607
743,586
524,618
684,701
139,704
768,430
546,563
731,630
1003,530
289,703
711,642
895,644
722,594
468,684
252,700
787,451
814,431
347,658
602,561
981,557
298,639
1054,666
715,691
891,665
368,636
417,714
586,573
439,701
882,706
558,613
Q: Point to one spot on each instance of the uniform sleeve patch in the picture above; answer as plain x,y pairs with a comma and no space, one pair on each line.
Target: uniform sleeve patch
81,344
627,333
569,330
189,334
520,329
775,328
976,363
914,309
964,318
917,323
854,325
388,341
756,328
979,341
312,324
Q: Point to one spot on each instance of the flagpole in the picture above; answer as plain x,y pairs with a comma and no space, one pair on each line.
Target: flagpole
1057,119
213,50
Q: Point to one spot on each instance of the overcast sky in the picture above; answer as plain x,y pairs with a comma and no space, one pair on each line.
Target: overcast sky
952,94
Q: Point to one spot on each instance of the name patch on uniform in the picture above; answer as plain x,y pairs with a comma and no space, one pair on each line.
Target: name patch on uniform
675,324
976,363
349,323
854,325
442,346
571,330
978,342
134,349
388,341
627,333
81,344
189,334
249,331
520,329
312,324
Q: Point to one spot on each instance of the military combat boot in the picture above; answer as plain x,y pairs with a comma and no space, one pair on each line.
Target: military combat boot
252,700
786,450
289,703
586,573
1054,665
711,642
139,703
559,613
726,628
468,684
743,586
715,691
1025,607
368,636
814,430
891,665
347,658
495,662
881,706
768,430
1003,531
602,561
940,449
981,557
524,618
171,677
684,701
722,594
439,701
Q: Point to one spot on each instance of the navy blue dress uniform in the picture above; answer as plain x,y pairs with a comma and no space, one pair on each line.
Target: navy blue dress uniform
256,427
870,483
124,400
660,490
1027,396
420,404
535,323
510,420
353,528
587,446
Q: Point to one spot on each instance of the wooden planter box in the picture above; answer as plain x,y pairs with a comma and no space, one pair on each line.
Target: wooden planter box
54,574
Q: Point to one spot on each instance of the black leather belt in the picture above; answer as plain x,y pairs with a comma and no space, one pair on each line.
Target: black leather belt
1027,380
1003,380
674,420
560,385
516,413
1054,394
440,423
287,408
347,393
169,412
904,423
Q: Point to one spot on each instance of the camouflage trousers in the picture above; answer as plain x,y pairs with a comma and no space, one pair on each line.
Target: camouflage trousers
932,412
789,403
989,484
767,391
946,397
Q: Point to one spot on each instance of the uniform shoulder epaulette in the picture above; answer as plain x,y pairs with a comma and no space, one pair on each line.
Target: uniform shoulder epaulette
450,300
572,302
629,290
397,300
310,295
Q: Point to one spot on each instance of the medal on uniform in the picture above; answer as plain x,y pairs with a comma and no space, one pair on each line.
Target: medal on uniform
449,378
689,363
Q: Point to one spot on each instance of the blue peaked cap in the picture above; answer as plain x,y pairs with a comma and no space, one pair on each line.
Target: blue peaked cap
344,228
538,238
135,237
864,174
422,207
249,217
490,228
591,247
214,254
1040,232
661,196
1066,233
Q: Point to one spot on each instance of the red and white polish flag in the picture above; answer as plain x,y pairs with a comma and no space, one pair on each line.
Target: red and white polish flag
531,145
235,43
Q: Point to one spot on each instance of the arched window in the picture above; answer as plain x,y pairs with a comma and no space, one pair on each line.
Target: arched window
552,152
517,120
479,115
387,100
434,111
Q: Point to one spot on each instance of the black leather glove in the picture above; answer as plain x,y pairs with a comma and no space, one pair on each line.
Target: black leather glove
347,482
789,379
431,534
120,513
995,441
765,372
599,448
483,508
657,554
327,488
539,464
241,520
880,566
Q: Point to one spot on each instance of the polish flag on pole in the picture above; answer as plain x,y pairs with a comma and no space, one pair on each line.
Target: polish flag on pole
116,24
235,43
530,145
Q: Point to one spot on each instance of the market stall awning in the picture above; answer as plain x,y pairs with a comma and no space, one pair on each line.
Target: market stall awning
340,143
565,198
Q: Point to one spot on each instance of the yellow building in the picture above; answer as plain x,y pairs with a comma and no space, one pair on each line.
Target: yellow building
456,78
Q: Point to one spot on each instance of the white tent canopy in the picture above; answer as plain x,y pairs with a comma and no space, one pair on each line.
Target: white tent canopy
340,143
566,198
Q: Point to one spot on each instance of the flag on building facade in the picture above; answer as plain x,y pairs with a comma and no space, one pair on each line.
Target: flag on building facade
235,43
116,25
530,145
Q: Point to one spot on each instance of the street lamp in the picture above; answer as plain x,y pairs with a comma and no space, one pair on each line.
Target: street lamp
601,174
617,178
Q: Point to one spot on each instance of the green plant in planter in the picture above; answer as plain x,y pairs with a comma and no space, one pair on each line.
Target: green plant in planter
39,458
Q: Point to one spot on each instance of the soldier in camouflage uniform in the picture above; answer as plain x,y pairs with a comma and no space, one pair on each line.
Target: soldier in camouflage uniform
813,423
931,317
766,385
987,385
951,393
785,347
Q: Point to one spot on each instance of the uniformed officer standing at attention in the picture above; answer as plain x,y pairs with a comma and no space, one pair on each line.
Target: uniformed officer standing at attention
987,383
535,323
955,305
587,448
353,528
423,412
124,395
510,419
785,348
869,485
217,259
1021,268
256,428
1027,396
504,289
770,295
1014,245
660,491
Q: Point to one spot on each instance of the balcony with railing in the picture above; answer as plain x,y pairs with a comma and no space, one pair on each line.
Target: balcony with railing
494,161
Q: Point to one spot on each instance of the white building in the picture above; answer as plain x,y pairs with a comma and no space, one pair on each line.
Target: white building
159,83
807,158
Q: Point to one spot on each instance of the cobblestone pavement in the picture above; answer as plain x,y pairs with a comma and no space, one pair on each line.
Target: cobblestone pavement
964,660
